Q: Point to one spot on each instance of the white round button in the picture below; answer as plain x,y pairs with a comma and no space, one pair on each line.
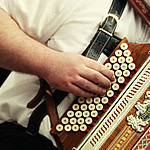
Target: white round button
86,114
78,114
108,65
118,73
94,113
105,100
75,107
110,93
81,121
75,128
121,60
83,107
64,120
70,113
99,107
116,66
126,73
67,127
124,46
83,127
129,59
124,66
121,80
59,127
97,100
89,100
88,120
81,100
118,53
126,53
115,86
73,121
113,59
131,66
91,107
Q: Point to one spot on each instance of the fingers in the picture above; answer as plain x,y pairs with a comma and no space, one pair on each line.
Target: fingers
89,86
101,69
74,89
96,77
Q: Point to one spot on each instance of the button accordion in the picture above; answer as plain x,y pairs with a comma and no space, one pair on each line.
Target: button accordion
120,119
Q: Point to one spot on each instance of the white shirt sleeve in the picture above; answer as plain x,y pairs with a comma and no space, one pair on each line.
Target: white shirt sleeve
4,5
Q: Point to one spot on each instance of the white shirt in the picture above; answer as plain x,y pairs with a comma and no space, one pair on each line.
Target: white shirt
64,25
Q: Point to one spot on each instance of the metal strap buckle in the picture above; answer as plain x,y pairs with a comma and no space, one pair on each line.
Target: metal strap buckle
103,21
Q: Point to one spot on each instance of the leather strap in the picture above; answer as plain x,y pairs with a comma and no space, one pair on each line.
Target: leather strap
106,30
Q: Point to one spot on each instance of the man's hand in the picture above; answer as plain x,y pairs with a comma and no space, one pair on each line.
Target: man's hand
77,74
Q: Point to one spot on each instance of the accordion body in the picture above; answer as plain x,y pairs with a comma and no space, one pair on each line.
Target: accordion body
120,119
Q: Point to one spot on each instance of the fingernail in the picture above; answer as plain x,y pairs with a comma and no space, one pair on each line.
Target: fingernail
103,92
113,77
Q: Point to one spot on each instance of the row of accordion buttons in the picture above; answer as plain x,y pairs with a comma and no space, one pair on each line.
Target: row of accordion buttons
81,114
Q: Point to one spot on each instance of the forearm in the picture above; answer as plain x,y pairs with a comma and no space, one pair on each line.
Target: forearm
65,71
18,51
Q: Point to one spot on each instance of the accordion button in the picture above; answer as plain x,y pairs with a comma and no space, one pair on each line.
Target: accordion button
99,107
105,100
118,73
75,128
83,127
59,127
75,107
97,100
94,113
129,59
121,60
83,107
67,127
126,53
118,53
110,93
91,107
131,66
89,100
78,114
64,120
115,86
70,113
88,120
73,121
116,66
124,46
86,114
126,73
113,59
121,80
124,66
108,65
81,100
81,121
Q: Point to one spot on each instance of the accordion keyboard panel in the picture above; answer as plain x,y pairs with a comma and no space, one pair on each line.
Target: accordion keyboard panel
88,122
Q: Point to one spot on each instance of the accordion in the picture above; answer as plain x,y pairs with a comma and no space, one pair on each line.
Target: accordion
120,119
